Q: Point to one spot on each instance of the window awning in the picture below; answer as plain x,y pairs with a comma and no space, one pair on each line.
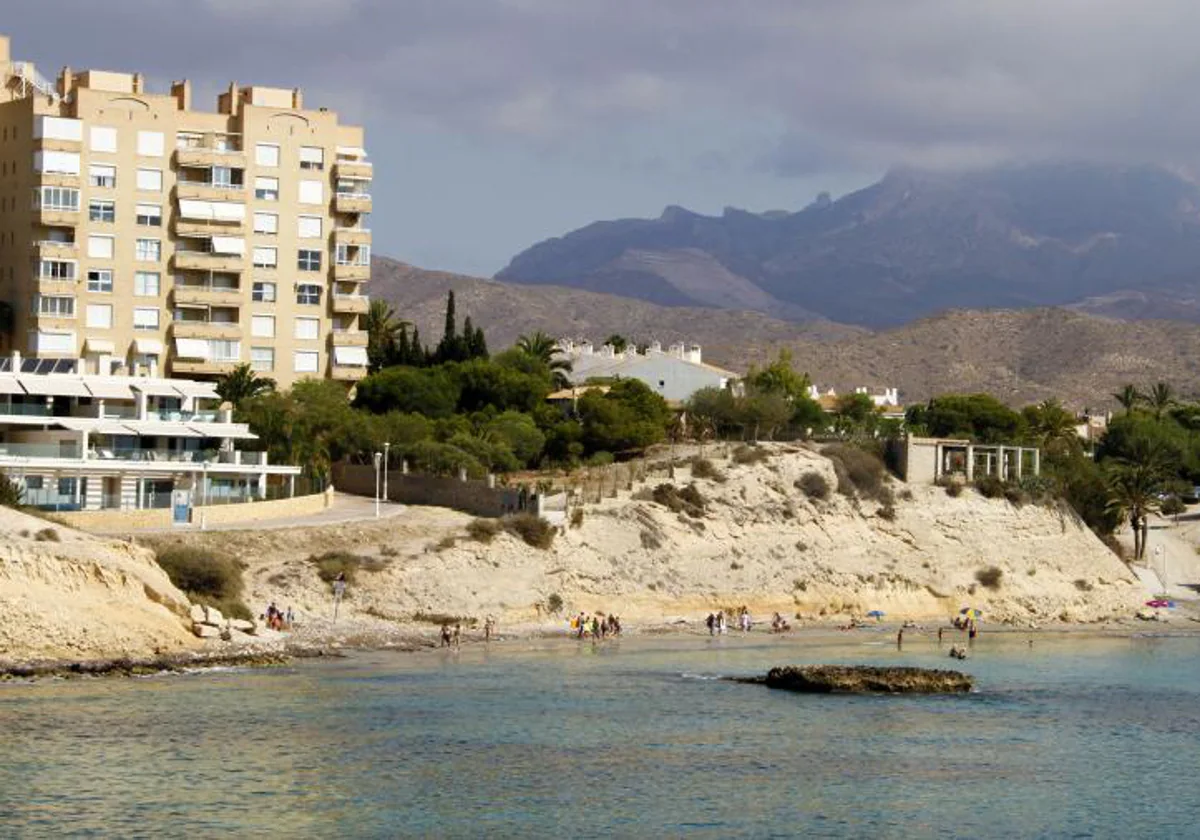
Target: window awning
355,356
112,389
191,348
312,154
10,385
228,245
111,428
148,346
98,345
73,424
155,388
53,386
231,431
192,209
152,429
351,151
227,211
197,390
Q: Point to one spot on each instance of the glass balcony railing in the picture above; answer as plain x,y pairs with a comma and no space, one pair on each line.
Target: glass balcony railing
175,416
25,409
38,450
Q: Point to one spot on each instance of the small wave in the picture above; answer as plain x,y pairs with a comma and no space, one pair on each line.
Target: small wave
702,677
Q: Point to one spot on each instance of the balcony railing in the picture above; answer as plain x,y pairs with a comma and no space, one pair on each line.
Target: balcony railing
219,295
351,304
39,450
208,261
25,410
174,416
344,202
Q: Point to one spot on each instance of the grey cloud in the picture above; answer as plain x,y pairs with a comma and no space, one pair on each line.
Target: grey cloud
852,84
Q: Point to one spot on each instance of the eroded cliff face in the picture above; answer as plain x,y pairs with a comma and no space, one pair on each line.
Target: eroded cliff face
68,595
761,542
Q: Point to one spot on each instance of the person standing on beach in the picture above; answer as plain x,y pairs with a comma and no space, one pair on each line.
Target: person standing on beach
900,638
488,626
940,629
972,631
711,621
595,627
445,635
457,635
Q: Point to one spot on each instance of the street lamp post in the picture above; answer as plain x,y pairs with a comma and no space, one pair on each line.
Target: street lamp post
386,466
378,459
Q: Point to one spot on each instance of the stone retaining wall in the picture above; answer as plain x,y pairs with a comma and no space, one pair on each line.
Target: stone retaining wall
214,516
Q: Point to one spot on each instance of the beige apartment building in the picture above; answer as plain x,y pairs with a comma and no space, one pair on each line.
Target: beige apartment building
141,237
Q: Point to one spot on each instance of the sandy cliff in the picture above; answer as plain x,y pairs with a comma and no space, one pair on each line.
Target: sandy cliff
762,542
67,595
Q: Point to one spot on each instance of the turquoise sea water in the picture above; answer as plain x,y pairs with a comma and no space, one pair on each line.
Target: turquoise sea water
1076,737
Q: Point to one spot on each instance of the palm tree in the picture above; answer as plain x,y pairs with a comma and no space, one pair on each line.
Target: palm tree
1128,397
544,349
1135,482
383,328
617,342
1053,425
1160,398
242,383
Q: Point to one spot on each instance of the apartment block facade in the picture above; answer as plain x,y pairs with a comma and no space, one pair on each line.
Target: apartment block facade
141,237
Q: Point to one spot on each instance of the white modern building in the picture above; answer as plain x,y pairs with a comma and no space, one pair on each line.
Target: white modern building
675,373
76,441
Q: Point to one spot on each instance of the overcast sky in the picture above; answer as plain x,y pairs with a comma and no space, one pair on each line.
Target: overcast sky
496,123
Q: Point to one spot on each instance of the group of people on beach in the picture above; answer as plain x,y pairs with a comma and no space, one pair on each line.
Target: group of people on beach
718,624
277,619
598,626
452,637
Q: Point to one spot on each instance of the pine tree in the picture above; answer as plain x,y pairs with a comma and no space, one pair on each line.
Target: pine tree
480,344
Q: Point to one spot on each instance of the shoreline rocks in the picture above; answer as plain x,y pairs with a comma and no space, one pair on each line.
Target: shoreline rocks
864,679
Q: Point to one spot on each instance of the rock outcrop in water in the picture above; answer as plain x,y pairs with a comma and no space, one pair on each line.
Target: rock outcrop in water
862,679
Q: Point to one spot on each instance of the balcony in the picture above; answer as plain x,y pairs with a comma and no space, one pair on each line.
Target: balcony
56,286
357,169
57,144
49,249
351,203
205,156
55,217
205,366
348,338
347,373
55,179
351,237
206,261
193,227
207,295
205,329
10,452
205,191
351,304
351,273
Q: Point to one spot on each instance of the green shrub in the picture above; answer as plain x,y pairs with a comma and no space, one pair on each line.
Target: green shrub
483,530
421,617
534,530
750,455
703,468
859,472
332,563
989,486
954,489
990,577
207,577
1083,585
600,459
689,500
47,535
814,485
554,603
887,512
577,517
650,541
389,551
11,493
1173,506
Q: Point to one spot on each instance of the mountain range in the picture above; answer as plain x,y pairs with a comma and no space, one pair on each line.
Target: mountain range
1122,242
1019,355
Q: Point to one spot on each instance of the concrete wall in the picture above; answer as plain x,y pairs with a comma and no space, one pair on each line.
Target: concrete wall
214,516
471,496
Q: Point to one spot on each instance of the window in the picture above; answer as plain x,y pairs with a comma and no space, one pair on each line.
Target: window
100,247
266,189
56,198
265,257
353,254
309,260
312,157
308,329
310,227
266,223
54,307
308,293
262,326
61,163
102,211
102,138
266,154
223,350
57,270
149,180
262,358
148,250
102,175
306,361
189,140
226,177
100,280
149,215
145,318
262,292
146,283
150,143
100,316
311,192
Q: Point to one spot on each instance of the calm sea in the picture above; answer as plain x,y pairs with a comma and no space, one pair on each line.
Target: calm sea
1074,737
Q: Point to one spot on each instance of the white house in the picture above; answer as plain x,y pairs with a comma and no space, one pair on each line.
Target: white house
85,442
675,373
